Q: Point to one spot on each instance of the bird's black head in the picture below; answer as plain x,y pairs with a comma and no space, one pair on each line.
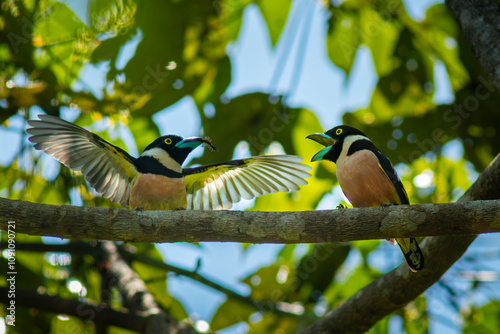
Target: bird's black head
177,147
333,139
339,133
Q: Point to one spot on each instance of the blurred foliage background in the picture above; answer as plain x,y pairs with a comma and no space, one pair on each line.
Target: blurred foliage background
155,53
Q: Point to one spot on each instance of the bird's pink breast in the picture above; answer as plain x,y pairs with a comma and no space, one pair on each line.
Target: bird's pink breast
157,192
364,182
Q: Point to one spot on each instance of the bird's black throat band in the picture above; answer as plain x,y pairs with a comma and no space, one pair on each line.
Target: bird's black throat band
149,165
361,144
334,152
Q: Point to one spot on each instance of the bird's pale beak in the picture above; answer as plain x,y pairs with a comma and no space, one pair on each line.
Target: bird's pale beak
324,140
321,138
194,142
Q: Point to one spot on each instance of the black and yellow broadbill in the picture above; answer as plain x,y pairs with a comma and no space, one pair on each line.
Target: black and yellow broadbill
156,180
366,177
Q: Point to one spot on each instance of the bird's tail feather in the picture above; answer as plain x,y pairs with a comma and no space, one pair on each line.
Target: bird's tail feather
412,253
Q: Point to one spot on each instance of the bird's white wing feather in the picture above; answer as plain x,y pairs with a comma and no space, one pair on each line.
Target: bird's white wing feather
218,186
108,169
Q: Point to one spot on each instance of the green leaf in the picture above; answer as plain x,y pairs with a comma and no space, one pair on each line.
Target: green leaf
381,37
68,325
264,283
271,323
231,13
415,317
61,23
214,83
229,313
66,41
382,326
350,284
483,320
275,13
365,247
442,34
317,270
286,253
343,39
145,131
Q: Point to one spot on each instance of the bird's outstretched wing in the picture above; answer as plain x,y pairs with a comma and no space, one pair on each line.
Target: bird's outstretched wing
109,169
218,186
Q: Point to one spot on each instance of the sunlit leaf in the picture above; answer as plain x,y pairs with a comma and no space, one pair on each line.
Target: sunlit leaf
229,313
380,36
344,39
275,13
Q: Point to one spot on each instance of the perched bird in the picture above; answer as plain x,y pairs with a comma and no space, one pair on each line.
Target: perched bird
156,180
366,177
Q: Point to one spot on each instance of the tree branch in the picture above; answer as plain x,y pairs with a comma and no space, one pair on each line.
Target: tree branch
398,287
266,305
84,310
136,295
479,21
67,221
128,252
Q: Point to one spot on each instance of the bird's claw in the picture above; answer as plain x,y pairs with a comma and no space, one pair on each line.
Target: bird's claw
139,208
386,204
341,206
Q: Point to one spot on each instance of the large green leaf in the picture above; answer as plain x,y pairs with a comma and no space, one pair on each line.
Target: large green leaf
343,39
275,12
441,32
65,38
485,319
229,313
380,35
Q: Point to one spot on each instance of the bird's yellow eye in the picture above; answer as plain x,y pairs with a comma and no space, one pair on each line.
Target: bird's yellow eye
168,141
339,131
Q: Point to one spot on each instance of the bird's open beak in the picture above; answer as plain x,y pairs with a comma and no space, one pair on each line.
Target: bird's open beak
324,140
194,142
321,138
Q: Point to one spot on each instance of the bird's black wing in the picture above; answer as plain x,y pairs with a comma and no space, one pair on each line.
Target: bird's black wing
218,186
389,170
108,169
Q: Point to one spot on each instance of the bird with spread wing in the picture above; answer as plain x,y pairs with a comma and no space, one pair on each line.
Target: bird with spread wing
156,179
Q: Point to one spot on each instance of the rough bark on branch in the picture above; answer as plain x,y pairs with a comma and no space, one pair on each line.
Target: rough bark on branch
67,221
398,287
479,21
